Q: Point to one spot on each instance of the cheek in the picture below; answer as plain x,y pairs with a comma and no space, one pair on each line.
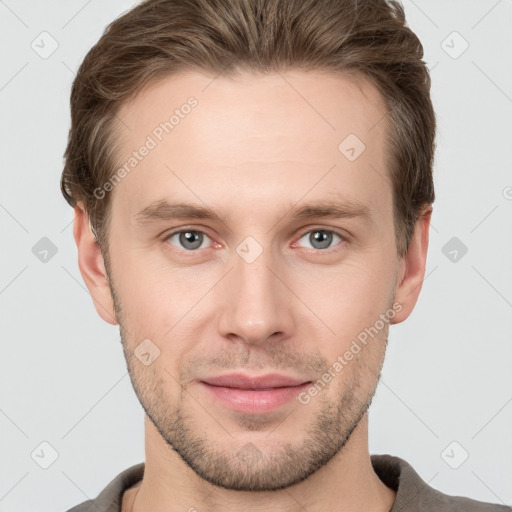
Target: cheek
145,291
354,291
348,300
163,304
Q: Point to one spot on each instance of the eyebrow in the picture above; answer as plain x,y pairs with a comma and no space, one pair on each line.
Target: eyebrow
163,210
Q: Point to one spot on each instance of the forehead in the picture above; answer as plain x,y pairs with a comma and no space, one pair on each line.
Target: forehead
247,137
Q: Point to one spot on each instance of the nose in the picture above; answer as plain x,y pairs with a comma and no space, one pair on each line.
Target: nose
256,304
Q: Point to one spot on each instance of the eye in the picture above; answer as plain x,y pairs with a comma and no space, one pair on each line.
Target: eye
320,238
188,239
192,239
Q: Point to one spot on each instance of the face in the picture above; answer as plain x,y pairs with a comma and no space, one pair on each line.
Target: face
268,283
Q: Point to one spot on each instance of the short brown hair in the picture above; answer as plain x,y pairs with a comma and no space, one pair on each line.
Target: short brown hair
368,38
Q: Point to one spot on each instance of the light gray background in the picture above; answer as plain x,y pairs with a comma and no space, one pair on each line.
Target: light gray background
447,373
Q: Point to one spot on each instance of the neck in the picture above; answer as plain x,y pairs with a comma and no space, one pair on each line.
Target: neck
347,483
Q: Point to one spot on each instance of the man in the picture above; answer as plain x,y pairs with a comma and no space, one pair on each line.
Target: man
252,182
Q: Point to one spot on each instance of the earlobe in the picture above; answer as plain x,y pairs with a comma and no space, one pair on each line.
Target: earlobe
412,268
92,266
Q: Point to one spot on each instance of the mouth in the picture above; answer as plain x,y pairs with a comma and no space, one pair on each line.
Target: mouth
254,394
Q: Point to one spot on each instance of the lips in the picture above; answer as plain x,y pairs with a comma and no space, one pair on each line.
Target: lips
254,395
255,383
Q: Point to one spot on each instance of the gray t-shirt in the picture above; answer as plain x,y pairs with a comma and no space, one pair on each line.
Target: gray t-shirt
413,494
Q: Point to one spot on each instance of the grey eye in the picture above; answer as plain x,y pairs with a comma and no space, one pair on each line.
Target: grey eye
320,238
189,239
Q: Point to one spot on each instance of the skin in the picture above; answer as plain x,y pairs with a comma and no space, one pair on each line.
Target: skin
254,145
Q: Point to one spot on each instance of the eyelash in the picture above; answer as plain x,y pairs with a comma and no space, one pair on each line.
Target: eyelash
328,250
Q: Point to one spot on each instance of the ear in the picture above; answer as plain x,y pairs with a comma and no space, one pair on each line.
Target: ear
92,266
412,268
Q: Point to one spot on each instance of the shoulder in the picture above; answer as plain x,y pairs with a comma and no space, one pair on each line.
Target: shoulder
414,494
110,498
